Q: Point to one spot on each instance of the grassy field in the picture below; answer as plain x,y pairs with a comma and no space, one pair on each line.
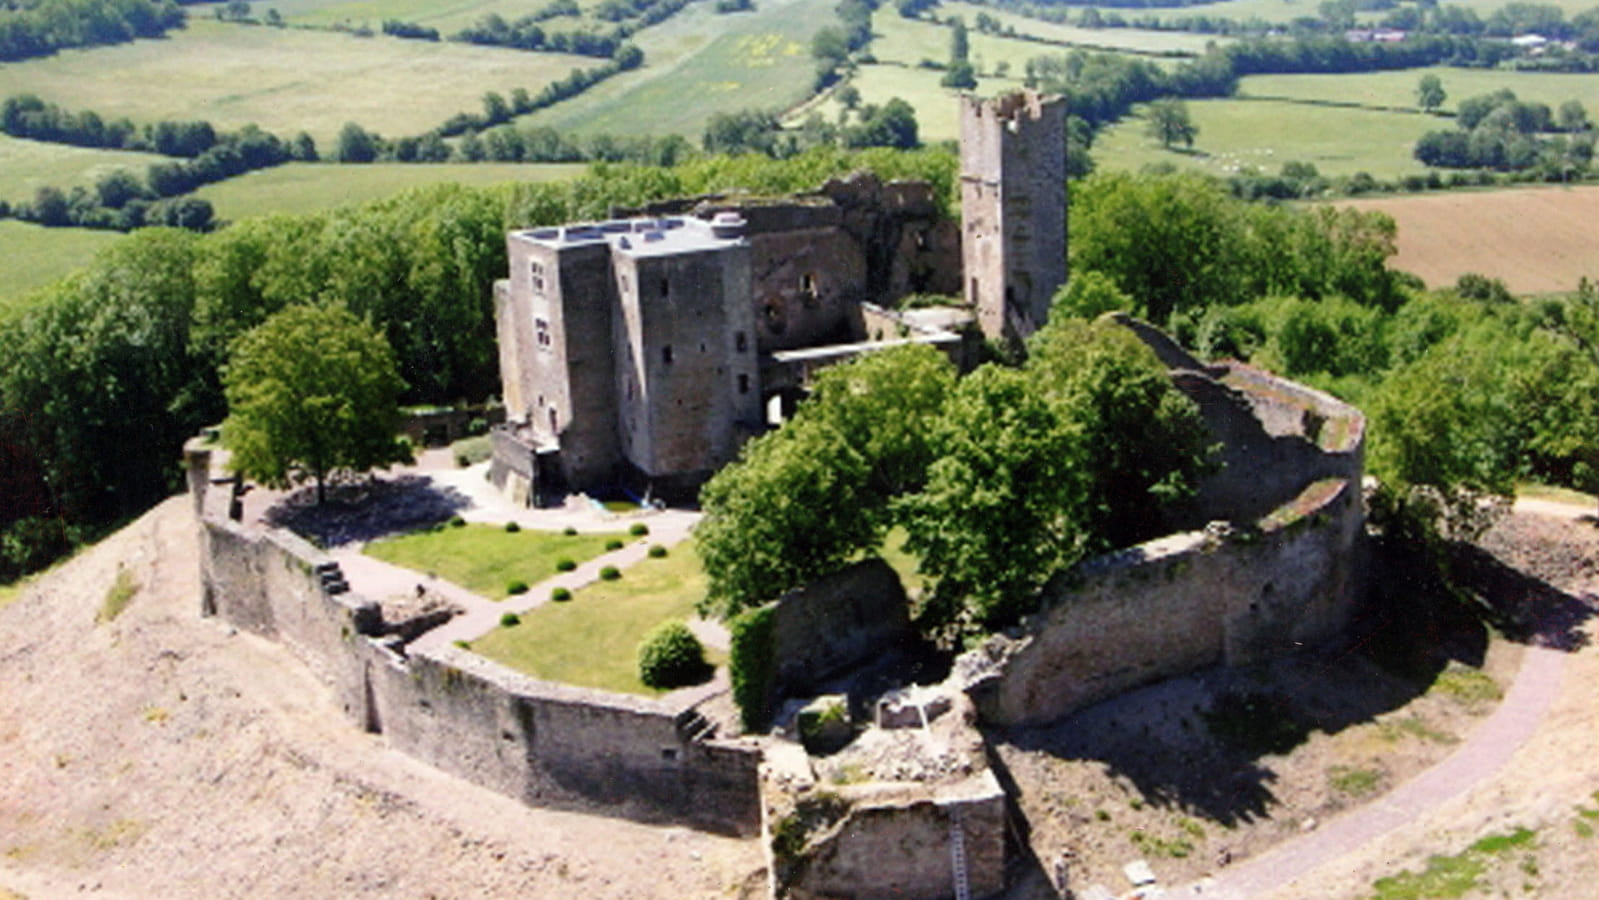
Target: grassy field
697,64
1135,39
447,17
1237,134
485,558
309,187
592,640
1537,240
1398,89
937,112
32,256
26,166
909,41
284,80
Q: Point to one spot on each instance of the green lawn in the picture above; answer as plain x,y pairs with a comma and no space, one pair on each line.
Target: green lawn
1136,39
32,256
592,640
485,558
1399,88
698,63
285,80
309,187
1237,134
26,166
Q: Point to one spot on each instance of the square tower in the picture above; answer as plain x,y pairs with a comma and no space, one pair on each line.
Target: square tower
1013,209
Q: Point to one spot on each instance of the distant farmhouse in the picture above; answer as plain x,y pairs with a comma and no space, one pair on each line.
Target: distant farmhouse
640,353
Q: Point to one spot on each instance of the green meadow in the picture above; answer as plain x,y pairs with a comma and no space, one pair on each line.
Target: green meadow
26,166
1138,40
1398,89
285,80
446,17
32,256
699,63
1263,134
310,187
937,113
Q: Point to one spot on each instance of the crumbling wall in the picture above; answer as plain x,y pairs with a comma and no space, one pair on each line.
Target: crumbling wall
837,622
1178,604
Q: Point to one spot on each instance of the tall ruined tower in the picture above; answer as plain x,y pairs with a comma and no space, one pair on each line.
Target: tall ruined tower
1013,209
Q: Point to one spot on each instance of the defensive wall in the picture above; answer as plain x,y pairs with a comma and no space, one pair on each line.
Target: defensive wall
543,743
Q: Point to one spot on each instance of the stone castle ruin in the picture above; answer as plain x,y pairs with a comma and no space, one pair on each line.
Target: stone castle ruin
642,352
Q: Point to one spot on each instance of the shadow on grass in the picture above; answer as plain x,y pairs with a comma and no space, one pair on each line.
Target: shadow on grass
366,511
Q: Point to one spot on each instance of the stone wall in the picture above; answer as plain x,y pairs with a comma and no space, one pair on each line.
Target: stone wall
1177,604
837,622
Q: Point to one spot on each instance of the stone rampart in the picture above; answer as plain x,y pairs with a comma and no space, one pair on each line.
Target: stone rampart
837,622
1177,604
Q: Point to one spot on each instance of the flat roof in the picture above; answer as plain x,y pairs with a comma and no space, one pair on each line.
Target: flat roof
640,237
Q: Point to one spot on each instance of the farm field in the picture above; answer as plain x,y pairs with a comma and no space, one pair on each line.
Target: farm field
1537,240
1137,40
937,113
446,17
310,187
697,64
1398,89
896,39
284,80
26,166
32,256
1264,134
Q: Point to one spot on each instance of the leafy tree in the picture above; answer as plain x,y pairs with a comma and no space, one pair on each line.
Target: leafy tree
118,187
960,75
356,145
849,96
1574,117
311,391
1169,123
1430,92
959,42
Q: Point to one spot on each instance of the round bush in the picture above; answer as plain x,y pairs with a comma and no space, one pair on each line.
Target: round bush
657,551
610,573
510,619
516,587
613,544
457,522
569,531
671,656
560,595
512,527
565,564
639,529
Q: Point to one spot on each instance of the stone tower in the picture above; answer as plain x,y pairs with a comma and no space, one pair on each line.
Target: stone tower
1013,209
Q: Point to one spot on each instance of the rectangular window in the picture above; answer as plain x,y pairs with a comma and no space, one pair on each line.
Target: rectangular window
543,329
665,289
666,354
741,343
537,271
743,384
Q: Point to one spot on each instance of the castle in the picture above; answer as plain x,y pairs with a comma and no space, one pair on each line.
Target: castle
640,353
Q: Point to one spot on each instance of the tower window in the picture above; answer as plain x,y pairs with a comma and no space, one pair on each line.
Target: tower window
740,342
743,384
665,289
543,329
666,354
536,270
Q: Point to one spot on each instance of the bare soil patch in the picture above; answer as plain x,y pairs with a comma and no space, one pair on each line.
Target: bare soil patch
1536,240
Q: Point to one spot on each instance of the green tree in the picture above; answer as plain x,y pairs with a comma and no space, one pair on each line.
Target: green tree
959,42
1430,92
1169,123
1573,116
356,144
311,391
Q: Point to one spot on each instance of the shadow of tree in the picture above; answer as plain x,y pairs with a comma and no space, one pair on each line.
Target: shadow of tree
367,510
1521,606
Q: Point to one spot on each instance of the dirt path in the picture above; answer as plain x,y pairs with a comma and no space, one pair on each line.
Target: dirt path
165,755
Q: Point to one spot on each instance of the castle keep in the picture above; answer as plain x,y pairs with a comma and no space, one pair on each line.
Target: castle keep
640,353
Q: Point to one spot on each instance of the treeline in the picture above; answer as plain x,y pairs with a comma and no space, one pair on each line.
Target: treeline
1498,131
1466,390
41,27
893,124
526,33
833,45
107,372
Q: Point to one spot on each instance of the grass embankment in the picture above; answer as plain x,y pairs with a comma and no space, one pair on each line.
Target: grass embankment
697,64
486,559
312,187
34,256
1264,134
592,640
286,80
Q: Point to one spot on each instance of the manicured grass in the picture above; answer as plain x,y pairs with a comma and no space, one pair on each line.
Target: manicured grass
32,256
485,559
937,111
697,64
1263,134
592,639
310,187
285,80
26,166
1136,39
1398,89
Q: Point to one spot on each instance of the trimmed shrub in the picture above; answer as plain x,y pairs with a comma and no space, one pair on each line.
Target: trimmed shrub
610,573
657,551
613,544
565,564
516,587
751,667
510,619
569,531
560,595
457,522
512,527
671,656
639,529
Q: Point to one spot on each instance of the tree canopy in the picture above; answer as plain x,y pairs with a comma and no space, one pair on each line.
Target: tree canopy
312,390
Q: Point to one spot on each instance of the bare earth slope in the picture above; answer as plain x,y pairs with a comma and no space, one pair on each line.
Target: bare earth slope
163,755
